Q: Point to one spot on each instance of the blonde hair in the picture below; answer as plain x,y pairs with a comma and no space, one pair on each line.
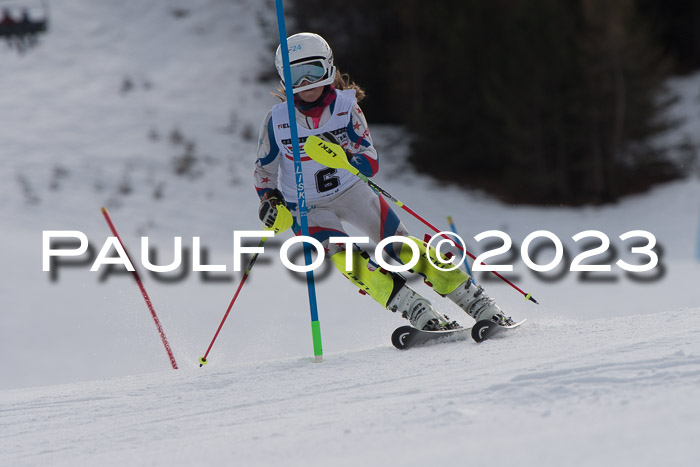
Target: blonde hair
341,82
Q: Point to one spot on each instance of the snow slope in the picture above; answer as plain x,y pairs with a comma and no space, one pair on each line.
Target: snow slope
118,98
602,392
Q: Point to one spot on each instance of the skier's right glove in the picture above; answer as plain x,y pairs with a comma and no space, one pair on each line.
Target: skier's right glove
267,212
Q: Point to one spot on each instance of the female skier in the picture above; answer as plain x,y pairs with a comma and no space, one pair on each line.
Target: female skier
326,106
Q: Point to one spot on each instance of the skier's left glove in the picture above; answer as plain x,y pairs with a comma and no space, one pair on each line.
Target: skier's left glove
330,138
267,212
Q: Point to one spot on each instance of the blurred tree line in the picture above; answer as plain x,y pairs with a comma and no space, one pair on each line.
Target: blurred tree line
535,101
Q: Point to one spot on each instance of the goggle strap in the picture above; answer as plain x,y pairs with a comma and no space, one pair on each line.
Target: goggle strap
306,59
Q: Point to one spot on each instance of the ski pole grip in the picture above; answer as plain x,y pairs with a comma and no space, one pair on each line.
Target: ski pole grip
328,154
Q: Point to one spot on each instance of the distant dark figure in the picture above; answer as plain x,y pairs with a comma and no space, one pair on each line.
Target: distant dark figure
32,27
23,34
28,31
8,26
6,21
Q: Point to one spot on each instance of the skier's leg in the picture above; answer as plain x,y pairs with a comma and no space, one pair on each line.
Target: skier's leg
323,223
366,210
455,284
389,290
371,213
386,288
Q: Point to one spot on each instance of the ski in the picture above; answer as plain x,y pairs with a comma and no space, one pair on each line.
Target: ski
407,337
486,329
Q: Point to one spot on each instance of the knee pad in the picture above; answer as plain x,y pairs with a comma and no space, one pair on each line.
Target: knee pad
442,281
378,283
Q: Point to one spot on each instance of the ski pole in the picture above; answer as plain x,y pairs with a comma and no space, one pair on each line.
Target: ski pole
143,292
203,360
466,263
322,152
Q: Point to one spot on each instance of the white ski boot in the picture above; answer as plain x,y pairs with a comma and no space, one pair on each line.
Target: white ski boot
418,311
472,299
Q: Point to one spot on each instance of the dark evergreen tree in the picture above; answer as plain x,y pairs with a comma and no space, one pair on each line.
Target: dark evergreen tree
536,101
676,26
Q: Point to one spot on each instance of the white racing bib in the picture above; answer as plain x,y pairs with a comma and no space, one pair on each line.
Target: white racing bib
319,181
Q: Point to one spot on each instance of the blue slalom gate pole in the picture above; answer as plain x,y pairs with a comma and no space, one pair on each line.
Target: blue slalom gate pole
301,197
466,261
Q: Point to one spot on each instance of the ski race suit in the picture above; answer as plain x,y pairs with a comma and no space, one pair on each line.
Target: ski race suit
333,196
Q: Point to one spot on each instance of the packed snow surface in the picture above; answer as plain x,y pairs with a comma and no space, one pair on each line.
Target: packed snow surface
613,391
152,110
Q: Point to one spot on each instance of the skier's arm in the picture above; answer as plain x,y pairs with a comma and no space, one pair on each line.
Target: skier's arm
267,165
361,151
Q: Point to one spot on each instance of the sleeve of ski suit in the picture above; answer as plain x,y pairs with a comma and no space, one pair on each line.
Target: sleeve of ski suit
268,162
364,156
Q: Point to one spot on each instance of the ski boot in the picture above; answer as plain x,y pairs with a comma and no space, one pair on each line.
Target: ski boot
454,284
472,299
418,311
390,290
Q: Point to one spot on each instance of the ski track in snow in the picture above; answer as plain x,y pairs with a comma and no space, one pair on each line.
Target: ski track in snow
617,391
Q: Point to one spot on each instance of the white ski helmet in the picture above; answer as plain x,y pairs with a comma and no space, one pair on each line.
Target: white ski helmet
310,59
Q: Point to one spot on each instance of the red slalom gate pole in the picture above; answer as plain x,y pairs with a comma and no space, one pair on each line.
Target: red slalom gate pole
143,292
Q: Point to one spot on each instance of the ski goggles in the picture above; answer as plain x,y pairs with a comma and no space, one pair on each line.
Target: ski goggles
312,72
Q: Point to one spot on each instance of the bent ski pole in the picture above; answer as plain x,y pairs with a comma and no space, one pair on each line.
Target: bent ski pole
203,360
324,153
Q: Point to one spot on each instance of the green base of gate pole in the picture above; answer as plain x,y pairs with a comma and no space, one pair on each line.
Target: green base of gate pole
316,333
